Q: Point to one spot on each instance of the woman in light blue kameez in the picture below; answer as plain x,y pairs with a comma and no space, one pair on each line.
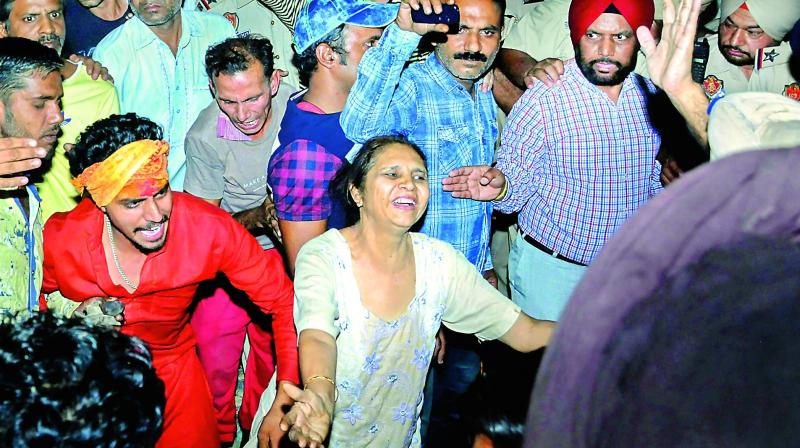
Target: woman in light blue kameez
369,300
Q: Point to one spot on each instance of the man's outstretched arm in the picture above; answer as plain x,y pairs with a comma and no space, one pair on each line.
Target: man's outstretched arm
670,63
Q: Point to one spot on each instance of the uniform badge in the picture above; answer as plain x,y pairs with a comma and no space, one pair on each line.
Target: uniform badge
792,91
233,18
769,56
713,85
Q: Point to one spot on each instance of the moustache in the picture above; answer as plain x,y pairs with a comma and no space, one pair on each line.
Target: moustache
471,56
733,47
47,38
151,225
51,131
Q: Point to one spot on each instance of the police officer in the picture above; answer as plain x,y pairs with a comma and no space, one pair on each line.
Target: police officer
749,53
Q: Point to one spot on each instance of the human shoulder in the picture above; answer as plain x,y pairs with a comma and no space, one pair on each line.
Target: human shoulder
209,24
82,80
326,245
119,38
204,129
65,224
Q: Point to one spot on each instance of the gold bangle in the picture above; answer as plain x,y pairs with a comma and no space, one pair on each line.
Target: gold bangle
503,192
324,378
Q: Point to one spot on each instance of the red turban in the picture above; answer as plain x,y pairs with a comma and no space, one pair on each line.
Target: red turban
583,13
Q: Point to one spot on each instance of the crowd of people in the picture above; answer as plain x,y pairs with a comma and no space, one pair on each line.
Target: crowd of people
260,223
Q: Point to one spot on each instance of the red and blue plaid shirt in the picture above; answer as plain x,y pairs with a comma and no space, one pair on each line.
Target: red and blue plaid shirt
578,164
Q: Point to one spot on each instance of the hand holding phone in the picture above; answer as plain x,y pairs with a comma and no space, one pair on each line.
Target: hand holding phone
450,16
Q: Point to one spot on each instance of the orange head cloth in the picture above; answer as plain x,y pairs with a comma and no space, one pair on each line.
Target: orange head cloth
137,162
582,13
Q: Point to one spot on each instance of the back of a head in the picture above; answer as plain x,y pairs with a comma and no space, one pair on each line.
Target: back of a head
106,136
713,359
748,121
21,59
63,383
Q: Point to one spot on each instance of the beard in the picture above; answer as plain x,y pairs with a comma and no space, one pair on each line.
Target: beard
617,78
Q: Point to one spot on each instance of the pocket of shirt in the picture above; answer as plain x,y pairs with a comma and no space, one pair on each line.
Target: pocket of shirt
454,147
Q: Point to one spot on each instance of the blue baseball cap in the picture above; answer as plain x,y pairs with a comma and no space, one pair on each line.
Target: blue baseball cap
320,17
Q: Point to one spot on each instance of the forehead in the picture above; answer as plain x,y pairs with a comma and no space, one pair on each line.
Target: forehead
611,24
480,13
252,77
396,153
27,6
361,33
37,87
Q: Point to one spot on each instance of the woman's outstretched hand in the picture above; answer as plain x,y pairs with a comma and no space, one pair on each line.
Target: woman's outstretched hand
309,420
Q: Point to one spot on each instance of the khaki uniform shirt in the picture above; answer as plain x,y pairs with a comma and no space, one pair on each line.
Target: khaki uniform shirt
250,17
770,74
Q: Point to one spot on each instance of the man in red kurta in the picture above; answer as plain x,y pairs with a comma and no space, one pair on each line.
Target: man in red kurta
134,240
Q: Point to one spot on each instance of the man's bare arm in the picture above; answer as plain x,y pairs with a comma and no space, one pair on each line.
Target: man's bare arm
670,62
515,65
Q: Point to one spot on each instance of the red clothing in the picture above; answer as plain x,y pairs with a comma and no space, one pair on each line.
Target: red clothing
202,240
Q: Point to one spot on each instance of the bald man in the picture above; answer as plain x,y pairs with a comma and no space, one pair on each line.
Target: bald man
749,53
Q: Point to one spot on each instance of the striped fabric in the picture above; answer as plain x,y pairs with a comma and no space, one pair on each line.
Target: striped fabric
286,10
578,164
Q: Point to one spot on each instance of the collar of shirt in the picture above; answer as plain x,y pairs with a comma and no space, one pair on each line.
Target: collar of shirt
442,76
226,130
144,36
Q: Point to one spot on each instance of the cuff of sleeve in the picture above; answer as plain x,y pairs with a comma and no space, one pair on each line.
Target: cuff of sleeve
316,324
503,323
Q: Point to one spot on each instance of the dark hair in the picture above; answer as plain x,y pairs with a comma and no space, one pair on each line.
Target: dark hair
66,383
237,54
711,359
21,59
353,174
306,62
105,136
5,10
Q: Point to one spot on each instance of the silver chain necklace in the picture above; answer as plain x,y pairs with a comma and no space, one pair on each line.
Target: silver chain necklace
125,278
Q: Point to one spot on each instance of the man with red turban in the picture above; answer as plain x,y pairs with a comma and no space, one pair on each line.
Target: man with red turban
134,240
576,159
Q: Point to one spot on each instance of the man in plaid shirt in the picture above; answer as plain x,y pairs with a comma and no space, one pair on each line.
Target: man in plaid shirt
576,159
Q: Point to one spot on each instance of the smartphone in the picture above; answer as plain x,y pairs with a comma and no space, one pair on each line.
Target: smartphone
450,16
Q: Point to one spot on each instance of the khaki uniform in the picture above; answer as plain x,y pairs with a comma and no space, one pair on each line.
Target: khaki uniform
543,32
771,73
250,17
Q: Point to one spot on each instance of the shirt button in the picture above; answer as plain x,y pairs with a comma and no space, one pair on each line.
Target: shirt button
272,22
277,56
